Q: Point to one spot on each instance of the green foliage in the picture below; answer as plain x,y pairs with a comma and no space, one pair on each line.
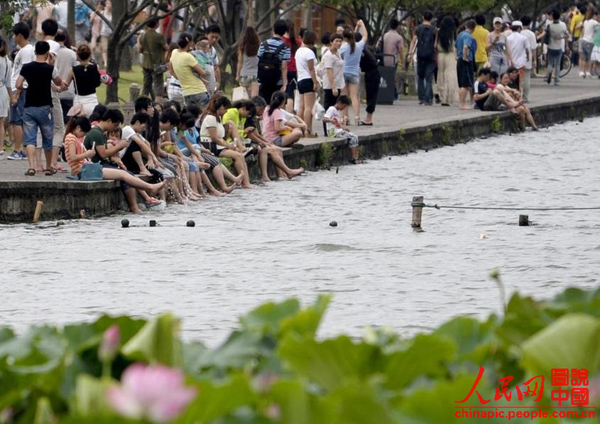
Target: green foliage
274,369
496,126
324,155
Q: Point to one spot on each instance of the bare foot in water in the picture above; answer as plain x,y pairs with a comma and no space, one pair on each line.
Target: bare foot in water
217,193
238,180
295,173
157,187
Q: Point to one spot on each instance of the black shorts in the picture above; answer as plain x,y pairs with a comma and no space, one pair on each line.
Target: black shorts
213,147
464,72
306,86
291,85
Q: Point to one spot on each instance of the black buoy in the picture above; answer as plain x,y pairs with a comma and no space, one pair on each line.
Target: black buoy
125,223
152,223
524,221
337,170
190,223
333,224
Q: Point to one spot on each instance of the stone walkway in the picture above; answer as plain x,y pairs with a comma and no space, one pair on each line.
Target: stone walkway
405,113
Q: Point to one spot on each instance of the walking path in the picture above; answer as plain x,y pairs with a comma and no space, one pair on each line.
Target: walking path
401,128
403,114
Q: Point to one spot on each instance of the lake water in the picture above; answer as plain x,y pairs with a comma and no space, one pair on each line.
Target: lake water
275,242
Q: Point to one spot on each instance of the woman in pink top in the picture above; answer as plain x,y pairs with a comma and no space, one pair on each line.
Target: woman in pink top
274,128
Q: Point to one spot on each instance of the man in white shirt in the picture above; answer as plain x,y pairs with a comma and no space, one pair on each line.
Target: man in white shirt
518,46
532,62
65,60
213,33
25,55
61,12
49,30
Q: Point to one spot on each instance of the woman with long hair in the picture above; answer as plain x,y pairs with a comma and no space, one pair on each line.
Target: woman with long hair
5,91
275,129
294,43
247,67
213,136
447,78
351,52
77,156
87,79
306,62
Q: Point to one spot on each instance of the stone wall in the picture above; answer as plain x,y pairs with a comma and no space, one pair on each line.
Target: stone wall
65,199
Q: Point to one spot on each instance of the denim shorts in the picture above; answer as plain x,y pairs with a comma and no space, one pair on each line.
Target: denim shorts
35,118
16,112
201,99
278,141
351,79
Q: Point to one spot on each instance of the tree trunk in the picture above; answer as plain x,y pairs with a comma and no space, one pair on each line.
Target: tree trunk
114,53
71,21
127,59
307,15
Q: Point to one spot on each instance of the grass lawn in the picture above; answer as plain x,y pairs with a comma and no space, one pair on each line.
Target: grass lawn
135,75
126,79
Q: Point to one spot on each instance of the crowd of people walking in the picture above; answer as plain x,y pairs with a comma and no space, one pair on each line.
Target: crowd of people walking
184,124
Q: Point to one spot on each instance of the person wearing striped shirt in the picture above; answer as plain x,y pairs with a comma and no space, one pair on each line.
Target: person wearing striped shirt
269,83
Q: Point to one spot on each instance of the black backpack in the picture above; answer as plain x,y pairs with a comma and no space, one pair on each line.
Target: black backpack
547,39
425,48
368,60
269,65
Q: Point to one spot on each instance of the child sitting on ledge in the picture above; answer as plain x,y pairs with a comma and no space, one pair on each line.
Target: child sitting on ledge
333,119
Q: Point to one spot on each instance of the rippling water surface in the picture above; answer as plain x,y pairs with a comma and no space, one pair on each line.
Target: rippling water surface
275,242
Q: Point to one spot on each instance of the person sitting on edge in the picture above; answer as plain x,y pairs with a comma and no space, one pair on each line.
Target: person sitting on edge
213,136
485,99
274,128
190,147
237,116
138,157
333,119
189,169
77,155
96,140
512,99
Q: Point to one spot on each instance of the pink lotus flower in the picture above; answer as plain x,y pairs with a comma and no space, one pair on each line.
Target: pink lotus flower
110,343
154,392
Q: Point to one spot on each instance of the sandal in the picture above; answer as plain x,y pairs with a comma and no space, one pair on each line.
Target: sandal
50,171
30,172
368,124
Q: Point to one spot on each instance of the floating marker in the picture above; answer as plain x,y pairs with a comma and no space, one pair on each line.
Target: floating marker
190,223
333,224
125,223
152,223
524,221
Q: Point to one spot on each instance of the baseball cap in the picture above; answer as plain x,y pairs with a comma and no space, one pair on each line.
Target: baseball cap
517,24
497,20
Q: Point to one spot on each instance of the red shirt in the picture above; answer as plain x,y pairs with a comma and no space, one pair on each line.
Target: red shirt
291,65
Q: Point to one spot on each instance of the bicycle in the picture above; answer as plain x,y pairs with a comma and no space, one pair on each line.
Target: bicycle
565,63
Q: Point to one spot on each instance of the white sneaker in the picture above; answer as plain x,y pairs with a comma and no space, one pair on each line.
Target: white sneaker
588,74
582,74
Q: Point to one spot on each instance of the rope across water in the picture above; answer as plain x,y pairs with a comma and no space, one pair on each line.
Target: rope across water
496,208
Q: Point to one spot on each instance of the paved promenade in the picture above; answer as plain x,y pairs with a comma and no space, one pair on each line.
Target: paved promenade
405,113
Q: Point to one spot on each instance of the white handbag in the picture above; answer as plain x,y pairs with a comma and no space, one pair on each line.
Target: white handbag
239,93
